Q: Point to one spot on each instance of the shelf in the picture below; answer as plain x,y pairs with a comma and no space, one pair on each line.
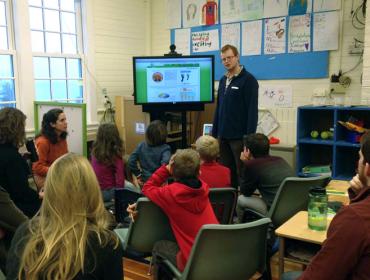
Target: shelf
169,140
315,141
347,144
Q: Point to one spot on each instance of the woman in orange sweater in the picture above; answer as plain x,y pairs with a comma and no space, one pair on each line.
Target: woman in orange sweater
51,143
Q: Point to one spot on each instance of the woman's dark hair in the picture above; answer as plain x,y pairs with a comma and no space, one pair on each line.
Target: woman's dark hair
156,133
47,130
12,127
108,144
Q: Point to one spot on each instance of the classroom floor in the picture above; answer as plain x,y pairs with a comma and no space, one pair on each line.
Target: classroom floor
134,270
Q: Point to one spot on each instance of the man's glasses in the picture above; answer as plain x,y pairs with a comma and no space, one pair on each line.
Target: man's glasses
228,58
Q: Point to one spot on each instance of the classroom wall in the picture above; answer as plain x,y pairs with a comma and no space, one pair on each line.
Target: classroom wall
121,30
302,88
366,66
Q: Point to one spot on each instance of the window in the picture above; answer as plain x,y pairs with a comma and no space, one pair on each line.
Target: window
7,92
56,45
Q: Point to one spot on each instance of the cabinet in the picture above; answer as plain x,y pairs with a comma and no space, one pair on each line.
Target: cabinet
338,151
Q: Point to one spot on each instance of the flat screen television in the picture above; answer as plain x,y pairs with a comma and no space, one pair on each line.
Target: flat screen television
173,81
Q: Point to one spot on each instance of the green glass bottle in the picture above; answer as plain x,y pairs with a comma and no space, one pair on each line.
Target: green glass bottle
317,209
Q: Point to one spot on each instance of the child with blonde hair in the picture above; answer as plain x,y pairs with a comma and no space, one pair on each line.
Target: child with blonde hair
211,172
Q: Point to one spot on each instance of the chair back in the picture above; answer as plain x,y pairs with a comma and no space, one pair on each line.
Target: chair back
292,197
122,198
223,202
242,253
151,225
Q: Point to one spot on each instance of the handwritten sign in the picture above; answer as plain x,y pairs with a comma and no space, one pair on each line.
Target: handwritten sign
251,37
299,33
326,31
205,41
275,8
267,123
275,33
230,34
251,9
275,96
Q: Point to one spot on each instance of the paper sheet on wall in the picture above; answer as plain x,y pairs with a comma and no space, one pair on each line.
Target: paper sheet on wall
173,14
251,9
326,5
299,34
275,8
182,41
251,37
275,96
275,34
192,12
300,7
230,34
267,123
205,41
325,31
230,10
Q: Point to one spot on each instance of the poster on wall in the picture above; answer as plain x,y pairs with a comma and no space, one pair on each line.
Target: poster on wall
300,7
173,14
192,12
182,41
275,34
326,5
275,8
273,96
209,12
251,37
230,10
299,39
230,34
205,41
251,9
326,31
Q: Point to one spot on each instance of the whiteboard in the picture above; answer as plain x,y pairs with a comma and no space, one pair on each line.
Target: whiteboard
76,118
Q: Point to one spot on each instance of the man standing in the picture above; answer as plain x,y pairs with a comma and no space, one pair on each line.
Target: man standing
346,252
237,110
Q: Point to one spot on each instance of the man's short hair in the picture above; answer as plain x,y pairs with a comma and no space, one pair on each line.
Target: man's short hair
186,164
365,147
258,144
230,47
207,147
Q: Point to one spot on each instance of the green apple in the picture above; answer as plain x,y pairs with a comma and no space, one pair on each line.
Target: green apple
314,134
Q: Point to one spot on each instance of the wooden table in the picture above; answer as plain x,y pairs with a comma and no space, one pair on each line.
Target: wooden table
296,228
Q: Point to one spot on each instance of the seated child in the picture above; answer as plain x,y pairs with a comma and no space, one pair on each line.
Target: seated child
185,202
107,162
211,172
150,154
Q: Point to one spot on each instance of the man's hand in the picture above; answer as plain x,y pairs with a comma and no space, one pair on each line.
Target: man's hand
131,209
245,155
356,184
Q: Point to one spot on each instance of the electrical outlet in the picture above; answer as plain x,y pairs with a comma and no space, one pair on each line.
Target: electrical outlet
356,50
337,88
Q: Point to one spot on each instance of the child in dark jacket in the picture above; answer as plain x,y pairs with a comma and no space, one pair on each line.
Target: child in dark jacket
185,202
150,154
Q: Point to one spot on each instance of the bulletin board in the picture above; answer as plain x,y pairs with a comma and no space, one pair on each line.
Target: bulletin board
307,65
286,63
76,118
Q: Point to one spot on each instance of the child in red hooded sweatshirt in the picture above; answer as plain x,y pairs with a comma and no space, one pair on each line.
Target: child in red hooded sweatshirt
185,202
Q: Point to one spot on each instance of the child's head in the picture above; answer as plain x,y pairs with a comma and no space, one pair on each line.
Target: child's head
258,144
185,164
108,144
156,133
208,148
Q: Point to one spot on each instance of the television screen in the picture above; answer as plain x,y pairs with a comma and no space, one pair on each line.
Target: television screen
173,80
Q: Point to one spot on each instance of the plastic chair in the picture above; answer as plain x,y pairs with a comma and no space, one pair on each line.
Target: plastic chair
223,202
151,225
122,198
291,198
241,255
